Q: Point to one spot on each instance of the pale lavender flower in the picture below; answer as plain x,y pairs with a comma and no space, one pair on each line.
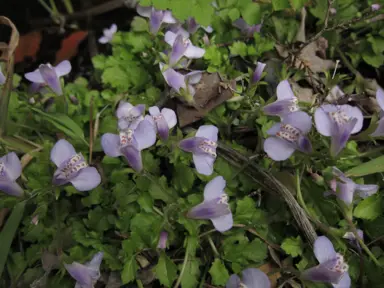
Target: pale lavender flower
49,75
163,121
86,275
288,136
2,77
215,206
129,143
245,28
379,132
350,236
129,116
72,168
182,46
339,122
344,188
256,75
108,34
375,7
251,277
163,240
156,17
35,88
286,101
203,147
192,26
10,170
332,268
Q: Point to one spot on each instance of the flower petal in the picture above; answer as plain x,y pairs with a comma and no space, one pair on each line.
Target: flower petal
323,249
35,76
365,191
256,76
208,131
154,110
274,129
299,120
155,21
278,108
223,223
208,210
51,78
208,29
2,77
323,122
178,50
144,11
113,29
214,189
241,24
174,79
341,135
193,77
103,40
133,157
162,128
354,112
96,261
345,281
11,188
12,165
284,91
190,144
170,37
163,240
168,18
192,26
379,132
63,68
62,151
304,144
111,144
87,179
170,117
322,273
233,282
278,149
193,52
80,273
345,191
204,163
145,135
380,97
253,277
124,109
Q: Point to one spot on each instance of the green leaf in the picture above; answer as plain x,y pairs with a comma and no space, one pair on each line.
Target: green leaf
320,9
369,208
298,4
159,190
251,13
191,274
219,273
183,177
247,213
293,246
280,4
166,270
371,167
239,48
234,14
375,60
129,271
8,233
139,24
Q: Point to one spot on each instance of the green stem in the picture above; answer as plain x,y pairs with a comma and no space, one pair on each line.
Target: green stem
184,265
207,232
299,194
46,6
347,63
139,283
214,249
54,7
68,6
157,211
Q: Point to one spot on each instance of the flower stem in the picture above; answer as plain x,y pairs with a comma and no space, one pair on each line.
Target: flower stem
184,265
68,6
214,249
299,194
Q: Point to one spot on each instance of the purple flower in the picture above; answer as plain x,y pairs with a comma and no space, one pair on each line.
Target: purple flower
129,143
163,240
286,101
129,116
203,147
49,75
256,76
380,100
86,275
245,28
344,188
72,168
375,7
192,26
10,170
2,77
350,236
251,277
288,136
182,46
339,122
332,268
177,80
156,17
108,34
163,121
215,206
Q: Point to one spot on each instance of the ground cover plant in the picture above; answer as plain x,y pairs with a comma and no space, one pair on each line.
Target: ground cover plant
214,144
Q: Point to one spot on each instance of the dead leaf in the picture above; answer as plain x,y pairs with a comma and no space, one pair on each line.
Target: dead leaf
69,46
50,261
268,269
209,94
7,49
303,94
309,58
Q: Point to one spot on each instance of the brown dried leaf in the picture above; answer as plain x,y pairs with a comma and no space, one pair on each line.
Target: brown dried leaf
273,277
7,49
303,94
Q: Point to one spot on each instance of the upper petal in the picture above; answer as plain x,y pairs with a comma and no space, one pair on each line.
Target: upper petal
193,52
124,109
233,282
322,120
345,281
62,151
155,21
170,37
133,157
354,112
154,110
63,68
284,91
299,120
168,18
341,135
204,163
144,11
51,78
12,165
113,29
256,76
174,79
96,261
35,76
208,131
278,149
11,188
323,249
223,223
145,135
193,77
87,179
104,40
162,128
178,50
380,129
111,144
253,277
380,97
170,117
215,188
80,273
365,191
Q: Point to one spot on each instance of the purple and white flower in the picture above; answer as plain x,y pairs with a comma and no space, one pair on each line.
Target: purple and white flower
344,188
379,132
286,101
375,7
156,17
49,75
251,277
2,77
182,46
163,120
203,147
192,26
129,143
288,136
245,28
256,75
108,34
86,275
163,240
339,122
72,168
332,268
10,170
129,116
215,206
